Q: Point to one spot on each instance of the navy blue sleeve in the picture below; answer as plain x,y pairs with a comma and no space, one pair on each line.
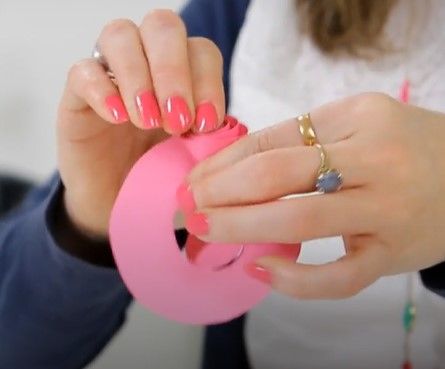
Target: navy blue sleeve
56,310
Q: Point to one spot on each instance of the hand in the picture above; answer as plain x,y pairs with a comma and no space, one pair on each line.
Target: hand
165,83
390,212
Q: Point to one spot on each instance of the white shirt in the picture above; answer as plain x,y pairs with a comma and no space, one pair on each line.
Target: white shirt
278,73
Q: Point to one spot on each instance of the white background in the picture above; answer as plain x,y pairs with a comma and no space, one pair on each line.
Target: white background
39,40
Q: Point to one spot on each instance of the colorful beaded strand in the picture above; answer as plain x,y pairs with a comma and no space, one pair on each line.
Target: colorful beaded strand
409,310
409,318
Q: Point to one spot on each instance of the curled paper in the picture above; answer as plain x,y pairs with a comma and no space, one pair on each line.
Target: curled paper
210,285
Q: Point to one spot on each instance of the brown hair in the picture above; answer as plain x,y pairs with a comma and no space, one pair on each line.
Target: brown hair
354,26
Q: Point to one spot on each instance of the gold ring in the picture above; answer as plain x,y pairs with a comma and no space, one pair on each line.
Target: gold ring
324,162
307,129
328,179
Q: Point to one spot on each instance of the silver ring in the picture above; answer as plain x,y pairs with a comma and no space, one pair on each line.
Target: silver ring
328,179
98,56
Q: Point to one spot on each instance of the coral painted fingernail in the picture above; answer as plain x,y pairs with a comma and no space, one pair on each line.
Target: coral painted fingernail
197,224
117,108
178,114
206,117
186,200
259,273
148,109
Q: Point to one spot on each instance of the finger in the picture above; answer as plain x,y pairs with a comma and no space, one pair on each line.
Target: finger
88,85
274,174
287,221
208,89
282,135
336,280
165,41
122,48
330,122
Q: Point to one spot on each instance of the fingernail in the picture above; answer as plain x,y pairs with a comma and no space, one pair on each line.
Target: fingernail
178,114
148,109
186,200
206,117
259,273
117,108
197,224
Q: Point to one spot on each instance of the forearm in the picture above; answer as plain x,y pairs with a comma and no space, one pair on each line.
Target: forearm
55,310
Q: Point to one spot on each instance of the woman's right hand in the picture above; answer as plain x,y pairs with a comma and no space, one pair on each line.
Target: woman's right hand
166,83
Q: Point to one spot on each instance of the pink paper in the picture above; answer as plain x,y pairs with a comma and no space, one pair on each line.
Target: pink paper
206,284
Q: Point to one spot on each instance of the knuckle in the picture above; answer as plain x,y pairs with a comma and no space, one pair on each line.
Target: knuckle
376,103
263,141
128,71
117,27
74,71
208,47
80,70
168,71
373,98
164,19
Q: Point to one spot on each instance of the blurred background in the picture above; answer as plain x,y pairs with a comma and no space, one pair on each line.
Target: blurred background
39,40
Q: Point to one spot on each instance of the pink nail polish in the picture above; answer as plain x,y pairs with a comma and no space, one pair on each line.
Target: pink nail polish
178,114
197,224
259,273
206,117
186,200
117,108
148,109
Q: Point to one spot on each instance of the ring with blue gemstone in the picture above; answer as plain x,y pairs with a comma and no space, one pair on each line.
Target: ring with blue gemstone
328,179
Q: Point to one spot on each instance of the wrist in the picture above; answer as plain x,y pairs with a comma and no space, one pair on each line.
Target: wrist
84,220
92,248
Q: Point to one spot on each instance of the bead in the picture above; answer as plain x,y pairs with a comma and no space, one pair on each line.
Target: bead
407,365
409,316
329,181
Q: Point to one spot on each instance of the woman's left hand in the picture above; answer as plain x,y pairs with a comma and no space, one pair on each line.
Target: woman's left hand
390,211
